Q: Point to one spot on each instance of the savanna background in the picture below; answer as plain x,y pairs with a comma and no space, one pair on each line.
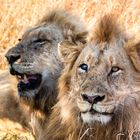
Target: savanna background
18,15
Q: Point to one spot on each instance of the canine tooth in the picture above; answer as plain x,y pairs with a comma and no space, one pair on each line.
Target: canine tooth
19,76
25,78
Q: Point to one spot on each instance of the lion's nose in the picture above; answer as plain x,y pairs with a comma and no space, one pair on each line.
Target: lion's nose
12,58
93,99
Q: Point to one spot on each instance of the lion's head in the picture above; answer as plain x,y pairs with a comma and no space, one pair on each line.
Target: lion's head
34,60
100,82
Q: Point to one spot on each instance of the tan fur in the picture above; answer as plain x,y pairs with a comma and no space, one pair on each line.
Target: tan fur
106,49
42,58
70,24
133,49
12,113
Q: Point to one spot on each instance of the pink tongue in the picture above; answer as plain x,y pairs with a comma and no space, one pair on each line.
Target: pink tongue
25,81
32,77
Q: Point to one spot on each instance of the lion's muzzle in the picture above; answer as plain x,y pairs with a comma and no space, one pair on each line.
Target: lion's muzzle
93,99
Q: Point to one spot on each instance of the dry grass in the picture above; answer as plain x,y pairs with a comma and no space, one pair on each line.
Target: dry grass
17,135
16,16
13,131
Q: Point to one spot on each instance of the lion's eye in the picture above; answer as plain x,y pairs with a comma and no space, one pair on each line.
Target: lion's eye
19,39
84,67
42,41
114,69
39,40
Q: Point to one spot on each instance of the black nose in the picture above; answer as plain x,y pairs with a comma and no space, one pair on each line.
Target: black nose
12,58
93,99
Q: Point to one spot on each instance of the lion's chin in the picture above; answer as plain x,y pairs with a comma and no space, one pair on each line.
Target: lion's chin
91,118
97,112
28,94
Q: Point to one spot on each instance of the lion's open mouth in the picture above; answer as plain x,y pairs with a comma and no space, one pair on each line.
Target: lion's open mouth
28,82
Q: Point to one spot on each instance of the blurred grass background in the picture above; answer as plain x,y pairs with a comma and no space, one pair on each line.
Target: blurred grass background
16,16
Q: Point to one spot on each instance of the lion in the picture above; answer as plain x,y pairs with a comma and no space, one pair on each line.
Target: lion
99,88
35,62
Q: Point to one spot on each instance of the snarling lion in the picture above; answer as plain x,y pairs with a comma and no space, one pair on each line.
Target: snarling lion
99,95
35,62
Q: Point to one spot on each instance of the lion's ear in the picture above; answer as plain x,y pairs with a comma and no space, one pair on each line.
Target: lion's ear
133,50
69,51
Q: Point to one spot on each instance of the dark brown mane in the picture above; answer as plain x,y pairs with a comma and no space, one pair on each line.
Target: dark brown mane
107,30
133,49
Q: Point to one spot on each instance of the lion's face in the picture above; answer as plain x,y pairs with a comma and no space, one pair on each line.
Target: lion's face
34,59
101,80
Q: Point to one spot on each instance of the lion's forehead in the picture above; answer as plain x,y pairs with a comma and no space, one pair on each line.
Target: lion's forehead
94,56
88,56
99,66
47,32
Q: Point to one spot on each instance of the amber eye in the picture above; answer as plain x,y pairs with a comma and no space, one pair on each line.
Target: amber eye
114,69
84,67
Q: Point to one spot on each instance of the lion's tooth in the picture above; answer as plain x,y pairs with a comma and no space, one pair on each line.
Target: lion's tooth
19,76
25,78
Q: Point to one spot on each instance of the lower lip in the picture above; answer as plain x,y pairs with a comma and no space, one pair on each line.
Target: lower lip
93,112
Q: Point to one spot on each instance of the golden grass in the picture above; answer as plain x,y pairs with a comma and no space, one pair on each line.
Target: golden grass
11,135
10,130
16,16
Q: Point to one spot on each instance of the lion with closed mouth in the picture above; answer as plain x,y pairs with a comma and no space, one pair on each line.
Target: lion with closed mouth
35,62
99,89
